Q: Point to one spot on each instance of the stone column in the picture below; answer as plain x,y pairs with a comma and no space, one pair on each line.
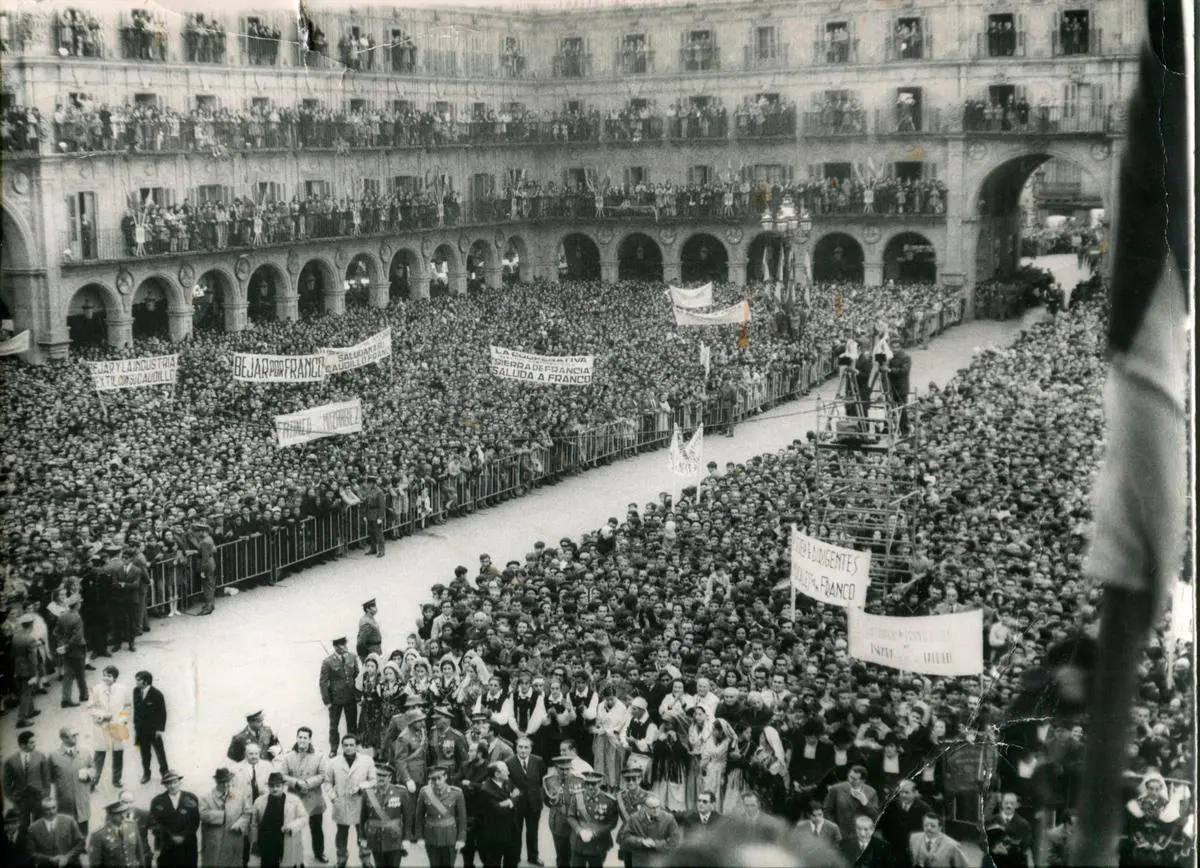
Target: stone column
672,269
120,331
180,323
335,301
609,269
235,317
956,265
873,272
380,293
458,282
493,276
737,271
287,307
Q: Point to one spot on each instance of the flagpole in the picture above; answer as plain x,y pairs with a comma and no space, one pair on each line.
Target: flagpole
792,582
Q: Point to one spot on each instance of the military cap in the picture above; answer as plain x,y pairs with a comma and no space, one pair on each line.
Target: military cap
117,807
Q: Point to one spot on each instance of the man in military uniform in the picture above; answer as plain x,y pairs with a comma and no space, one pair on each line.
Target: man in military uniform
629,799
370,639
257,732
592,815
449,746
375,510
338,672
441,818
117,843
557,787
175,818
409,754
386,814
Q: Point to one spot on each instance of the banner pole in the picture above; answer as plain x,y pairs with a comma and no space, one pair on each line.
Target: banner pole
791,580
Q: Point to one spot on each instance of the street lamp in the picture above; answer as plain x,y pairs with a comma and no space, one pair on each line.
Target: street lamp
793,227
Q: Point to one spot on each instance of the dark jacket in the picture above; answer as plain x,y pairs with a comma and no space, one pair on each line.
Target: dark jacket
497,823
175,829
149,713
529,784
877,854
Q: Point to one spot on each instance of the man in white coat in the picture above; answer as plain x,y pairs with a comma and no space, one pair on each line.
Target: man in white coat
304,769
224,823
250,780
110,706
350,772
277,826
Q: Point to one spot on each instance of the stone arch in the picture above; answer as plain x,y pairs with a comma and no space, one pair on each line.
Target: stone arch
267,291
95,314
151,306
578,257
768,248
15,236
703,257
214,299
639,258
448,272
316,282
362,272
838,256
405,272
910,257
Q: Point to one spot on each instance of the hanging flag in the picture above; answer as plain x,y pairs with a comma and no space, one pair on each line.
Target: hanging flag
701,296
680,458
20,344
694,450
766,265
706,358
744,333
732,315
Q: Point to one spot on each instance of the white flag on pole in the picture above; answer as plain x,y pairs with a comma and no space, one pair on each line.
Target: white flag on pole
16,344
685,460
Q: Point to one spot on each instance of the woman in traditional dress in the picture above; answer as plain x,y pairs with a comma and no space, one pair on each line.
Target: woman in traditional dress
709,742
607,753
370,712
671,774
391,692
767,773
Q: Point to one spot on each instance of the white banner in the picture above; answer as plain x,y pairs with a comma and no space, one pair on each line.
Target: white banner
550,370
1183,612
829,573
374,349
701,296
706,358
328,420
735,314
930,645
254,368
686,459
16,344
134,373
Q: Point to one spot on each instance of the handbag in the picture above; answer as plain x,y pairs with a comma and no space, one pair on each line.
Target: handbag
118,731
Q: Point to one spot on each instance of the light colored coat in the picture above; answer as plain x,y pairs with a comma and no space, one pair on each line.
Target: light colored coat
242,774
310,769
110,707
295,819
74,795
224,825
347,783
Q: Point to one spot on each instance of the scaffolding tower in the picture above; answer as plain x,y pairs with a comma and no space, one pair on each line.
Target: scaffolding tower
868,448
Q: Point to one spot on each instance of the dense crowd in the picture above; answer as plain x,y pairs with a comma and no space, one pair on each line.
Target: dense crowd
78,34
205,39
656,664
145,37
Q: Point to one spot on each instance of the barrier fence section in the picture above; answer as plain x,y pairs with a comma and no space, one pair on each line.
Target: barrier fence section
266,554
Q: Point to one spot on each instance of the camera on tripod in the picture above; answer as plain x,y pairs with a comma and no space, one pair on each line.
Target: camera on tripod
849,354
882,351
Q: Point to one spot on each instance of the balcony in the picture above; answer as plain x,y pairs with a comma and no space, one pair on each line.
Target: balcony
917,121
1069,43
769,123
835,52
571,64
698,127
403,56
765,56
76,34
836,121
633,61
145,42
204,45
983,118
699,58
906,48
999,44
648,129
262,47
513,65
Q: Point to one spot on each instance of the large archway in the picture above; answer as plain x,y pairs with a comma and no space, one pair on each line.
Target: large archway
265,288
837,257
313,284
87,315
516,254
639,258
403,272
578,258
212,295
151,301
444,270
361,272
910,257
764,258
702,258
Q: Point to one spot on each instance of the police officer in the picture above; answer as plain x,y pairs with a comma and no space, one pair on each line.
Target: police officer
386,815
441,818
629,799
117,843
370,637
558,786
375,508
447,745
592,815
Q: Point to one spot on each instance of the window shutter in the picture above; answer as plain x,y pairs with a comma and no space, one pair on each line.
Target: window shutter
927,28
930,171
72,219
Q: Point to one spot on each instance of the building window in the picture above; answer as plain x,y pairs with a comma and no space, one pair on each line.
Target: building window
908,109
1074,32
766,43
635,57
699,53
76,34
512,58
262,42
144,38
908,40
403,51
699,176
1001,35
837,42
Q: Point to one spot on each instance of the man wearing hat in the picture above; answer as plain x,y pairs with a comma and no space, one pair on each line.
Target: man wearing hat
409,754
559,786
24,651
387,813
375,511
117,844
370,638
650,833
630,798
225,822
592,815
175,820
448,746
255,732
55,839
304,768
277,823
441,818
201,541
338,673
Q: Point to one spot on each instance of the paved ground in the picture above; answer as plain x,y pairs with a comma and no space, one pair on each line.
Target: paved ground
262,649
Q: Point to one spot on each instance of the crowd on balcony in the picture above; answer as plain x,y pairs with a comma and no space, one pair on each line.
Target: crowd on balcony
840,113
766,117
909,39
887,197
78,34
204,39
358,52
837,44
145,37
1001,38
709,120
262,43
20,129
1012,114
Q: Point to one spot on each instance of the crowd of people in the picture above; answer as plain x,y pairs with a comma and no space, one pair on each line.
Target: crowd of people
648,679
78,34
204,39
145,37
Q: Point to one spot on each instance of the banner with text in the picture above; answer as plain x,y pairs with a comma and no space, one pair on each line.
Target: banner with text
685,458
134,373
374,349
254,368
16,344
930,644
701,296
328,420
735,314
829,573
550,370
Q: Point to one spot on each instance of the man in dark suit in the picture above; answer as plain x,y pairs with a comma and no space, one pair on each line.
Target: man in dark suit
525,772
175,820
705,815
72,651
498,836
902,818
149,722
1009,836
55,839
129,579
26,779
899,374
811,763
338,693
865,850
